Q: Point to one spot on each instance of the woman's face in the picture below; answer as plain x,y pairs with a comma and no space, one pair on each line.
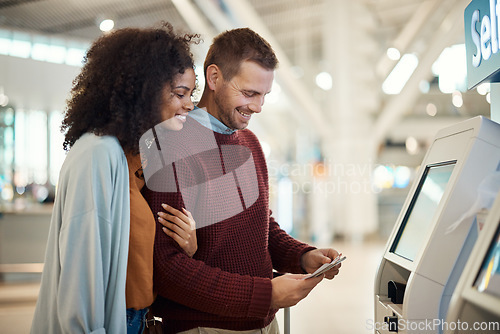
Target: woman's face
176,102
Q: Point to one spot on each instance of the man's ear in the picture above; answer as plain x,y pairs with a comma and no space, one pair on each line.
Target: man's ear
214,75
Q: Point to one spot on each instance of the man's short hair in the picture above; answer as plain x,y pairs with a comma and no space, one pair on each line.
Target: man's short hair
233,47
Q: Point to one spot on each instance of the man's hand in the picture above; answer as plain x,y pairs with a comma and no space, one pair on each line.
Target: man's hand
314,259
288,290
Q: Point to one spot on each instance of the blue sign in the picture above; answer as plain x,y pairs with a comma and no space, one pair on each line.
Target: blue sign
482,33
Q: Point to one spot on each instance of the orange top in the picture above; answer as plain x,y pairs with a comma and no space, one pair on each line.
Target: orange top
139,284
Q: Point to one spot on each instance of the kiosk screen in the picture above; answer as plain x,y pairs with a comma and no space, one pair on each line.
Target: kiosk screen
421,210
488,279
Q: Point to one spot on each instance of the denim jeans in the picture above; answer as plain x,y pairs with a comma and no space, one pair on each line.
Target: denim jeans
135,320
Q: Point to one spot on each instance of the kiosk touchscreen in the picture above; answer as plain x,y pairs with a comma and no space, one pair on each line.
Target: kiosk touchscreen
422,249
424,204
475,304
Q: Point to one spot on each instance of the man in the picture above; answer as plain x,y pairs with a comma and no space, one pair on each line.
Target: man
216,169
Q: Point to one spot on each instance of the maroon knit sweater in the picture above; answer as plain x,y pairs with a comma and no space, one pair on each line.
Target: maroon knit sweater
227,284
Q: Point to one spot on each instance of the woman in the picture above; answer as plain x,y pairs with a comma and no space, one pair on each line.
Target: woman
132,79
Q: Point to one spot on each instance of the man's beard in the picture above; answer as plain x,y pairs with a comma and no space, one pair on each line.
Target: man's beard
225,114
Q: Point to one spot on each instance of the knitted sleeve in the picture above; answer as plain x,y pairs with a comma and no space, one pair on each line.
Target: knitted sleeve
194,284
286,251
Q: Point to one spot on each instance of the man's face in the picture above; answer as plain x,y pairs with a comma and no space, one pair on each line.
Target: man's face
242,96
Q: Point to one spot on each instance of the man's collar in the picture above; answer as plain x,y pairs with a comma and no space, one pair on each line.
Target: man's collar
204,118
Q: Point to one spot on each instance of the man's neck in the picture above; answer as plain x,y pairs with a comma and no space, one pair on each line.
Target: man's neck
207,102
201,115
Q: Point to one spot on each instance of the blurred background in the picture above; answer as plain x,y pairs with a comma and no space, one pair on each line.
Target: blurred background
362,88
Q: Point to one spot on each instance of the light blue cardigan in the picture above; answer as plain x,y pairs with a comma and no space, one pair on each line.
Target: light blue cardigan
83,281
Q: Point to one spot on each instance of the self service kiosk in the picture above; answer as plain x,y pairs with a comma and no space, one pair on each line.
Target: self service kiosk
475,304
423,246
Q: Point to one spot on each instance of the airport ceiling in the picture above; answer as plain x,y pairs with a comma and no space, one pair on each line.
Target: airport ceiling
284,18
409,25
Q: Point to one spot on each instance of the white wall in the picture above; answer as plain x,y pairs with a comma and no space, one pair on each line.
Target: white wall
36,85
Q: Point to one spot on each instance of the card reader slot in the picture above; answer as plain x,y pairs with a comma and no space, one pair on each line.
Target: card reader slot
396,291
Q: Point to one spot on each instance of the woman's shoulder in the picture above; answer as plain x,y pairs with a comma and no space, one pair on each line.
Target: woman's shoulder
93,149
91,140
93,143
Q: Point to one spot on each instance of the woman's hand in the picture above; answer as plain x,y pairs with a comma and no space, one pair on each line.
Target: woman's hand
180,226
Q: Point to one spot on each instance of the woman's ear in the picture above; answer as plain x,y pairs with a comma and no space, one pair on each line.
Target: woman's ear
214,75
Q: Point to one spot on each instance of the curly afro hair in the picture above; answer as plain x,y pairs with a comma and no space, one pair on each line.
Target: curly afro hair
118,91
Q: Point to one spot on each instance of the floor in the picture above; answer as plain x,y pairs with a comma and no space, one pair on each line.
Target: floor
343,305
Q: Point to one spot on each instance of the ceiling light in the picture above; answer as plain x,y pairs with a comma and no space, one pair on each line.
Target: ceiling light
457,99
393,54
412,146
483,88
106,25
431,109
324,81
451,68
403,70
